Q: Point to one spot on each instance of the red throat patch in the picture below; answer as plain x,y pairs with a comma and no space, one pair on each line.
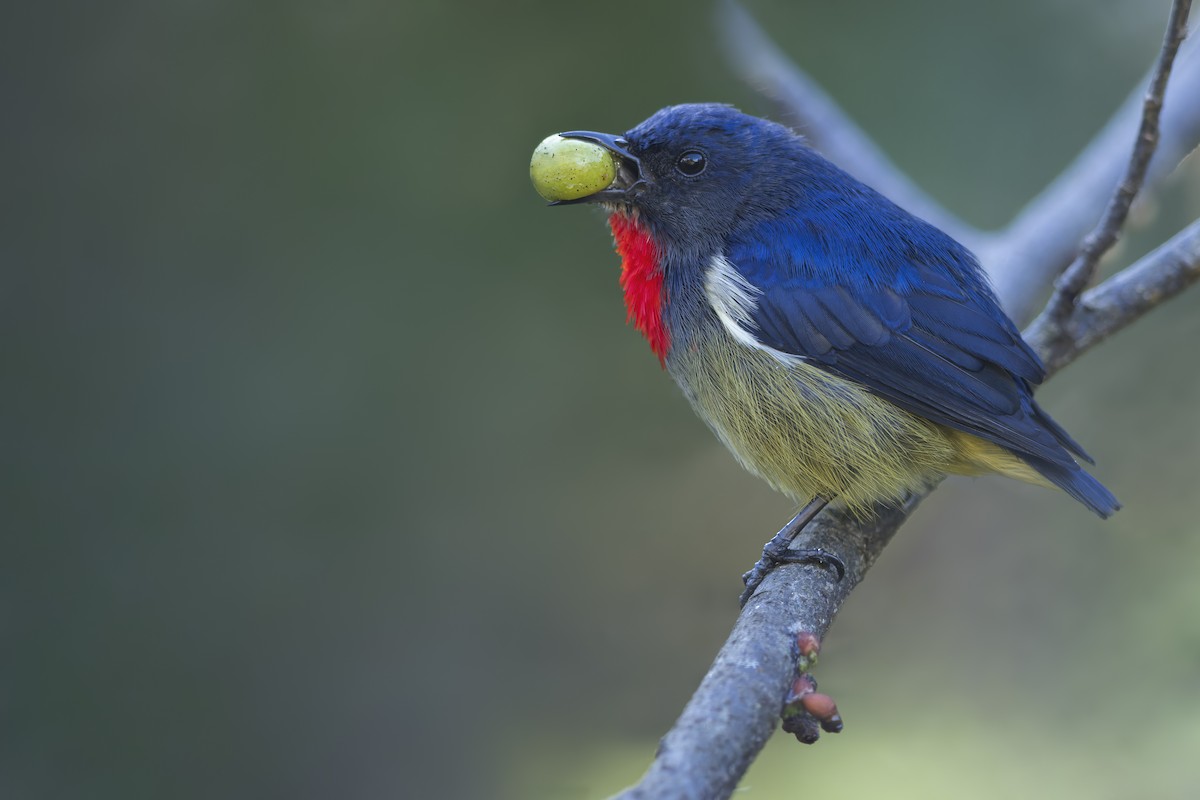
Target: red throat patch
642,280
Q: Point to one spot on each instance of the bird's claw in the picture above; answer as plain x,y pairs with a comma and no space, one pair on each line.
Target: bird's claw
772,557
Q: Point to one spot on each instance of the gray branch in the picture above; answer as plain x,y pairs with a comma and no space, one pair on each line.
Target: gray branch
1044,236
736,708
1120,300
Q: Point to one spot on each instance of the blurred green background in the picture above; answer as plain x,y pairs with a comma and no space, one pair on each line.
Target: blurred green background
332,471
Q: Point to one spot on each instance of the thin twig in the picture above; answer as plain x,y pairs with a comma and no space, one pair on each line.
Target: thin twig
1079,274
1120,300
1044,236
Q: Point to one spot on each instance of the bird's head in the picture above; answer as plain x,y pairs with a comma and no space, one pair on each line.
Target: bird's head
681,188
693,173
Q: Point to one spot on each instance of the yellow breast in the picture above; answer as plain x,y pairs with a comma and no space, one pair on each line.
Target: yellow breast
808,432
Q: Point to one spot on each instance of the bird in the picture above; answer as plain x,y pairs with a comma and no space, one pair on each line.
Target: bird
843,349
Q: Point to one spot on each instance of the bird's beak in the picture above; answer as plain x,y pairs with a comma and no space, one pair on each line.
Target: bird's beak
629,180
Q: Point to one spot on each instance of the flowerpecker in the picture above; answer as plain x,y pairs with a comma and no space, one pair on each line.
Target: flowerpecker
843,349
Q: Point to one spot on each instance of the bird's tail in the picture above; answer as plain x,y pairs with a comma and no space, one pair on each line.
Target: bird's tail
1068,475
1073,480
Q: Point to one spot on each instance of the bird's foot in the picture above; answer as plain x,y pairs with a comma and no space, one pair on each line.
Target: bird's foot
775,553
778,550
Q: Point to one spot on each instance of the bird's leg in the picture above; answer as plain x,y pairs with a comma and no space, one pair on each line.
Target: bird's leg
777,551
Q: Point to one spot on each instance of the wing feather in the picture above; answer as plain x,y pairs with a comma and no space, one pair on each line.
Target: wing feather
922,339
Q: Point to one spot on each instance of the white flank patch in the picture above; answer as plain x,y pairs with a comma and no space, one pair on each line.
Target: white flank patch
734,299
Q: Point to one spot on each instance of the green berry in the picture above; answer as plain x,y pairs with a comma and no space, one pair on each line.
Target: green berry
568,169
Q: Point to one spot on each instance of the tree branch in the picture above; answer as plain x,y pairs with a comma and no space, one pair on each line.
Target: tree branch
1044,236
1079,274
1120,300
736,708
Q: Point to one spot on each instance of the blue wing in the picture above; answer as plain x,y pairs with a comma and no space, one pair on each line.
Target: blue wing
908,315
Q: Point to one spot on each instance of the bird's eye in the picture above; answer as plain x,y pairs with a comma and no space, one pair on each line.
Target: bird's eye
691,163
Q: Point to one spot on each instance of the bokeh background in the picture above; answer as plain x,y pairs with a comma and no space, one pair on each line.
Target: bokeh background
330,469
